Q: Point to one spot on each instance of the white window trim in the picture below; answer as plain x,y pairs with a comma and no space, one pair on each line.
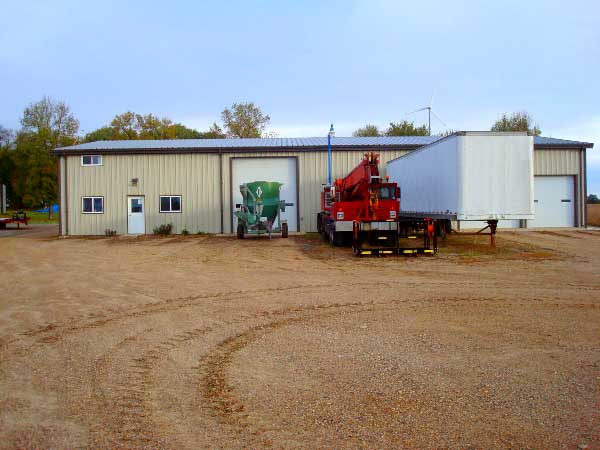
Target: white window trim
91,164
93,198
170,204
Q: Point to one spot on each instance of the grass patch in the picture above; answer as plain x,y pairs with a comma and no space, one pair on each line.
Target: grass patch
478,248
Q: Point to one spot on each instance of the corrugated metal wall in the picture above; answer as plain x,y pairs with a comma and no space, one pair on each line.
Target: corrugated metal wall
195,177
556,162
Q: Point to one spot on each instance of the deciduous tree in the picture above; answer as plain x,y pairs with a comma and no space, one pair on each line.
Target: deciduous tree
47,124
518,121
406,128
367,130
244,120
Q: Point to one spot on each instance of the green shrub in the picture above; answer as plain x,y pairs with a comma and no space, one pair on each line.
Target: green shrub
164,229
185,232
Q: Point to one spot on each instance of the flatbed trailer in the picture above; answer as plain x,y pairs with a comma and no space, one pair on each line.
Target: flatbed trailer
18,218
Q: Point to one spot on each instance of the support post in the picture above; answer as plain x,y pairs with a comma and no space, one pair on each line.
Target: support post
3,200
493,224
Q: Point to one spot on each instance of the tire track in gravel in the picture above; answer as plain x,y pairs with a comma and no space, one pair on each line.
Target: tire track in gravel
55,332
133,427
213,383
132,406
215,391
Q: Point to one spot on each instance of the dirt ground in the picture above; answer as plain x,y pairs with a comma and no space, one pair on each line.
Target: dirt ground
211,342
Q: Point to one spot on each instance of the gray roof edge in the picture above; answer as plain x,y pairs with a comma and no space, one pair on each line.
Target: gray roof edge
295,144
271,148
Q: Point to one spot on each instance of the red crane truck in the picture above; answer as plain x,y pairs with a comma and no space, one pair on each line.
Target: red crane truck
363,210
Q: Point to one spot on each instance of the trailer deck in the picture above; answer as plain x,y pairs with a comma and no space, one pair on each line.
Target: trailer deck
18,218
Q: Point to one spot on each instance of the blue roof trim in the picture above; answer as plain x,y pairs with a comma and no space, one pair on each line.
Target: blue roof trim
391,141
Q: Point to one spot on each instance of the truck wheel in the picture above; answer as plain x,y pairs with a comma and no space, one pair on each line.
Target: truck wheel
442,230
284,230
240,231
333,239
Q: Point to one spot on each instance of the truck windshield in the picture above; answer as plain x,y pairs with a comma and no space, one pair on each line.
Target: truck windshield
386,193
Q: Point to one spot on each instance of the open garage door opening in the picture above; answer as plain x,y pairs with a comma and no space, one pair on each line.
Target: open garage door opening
281,170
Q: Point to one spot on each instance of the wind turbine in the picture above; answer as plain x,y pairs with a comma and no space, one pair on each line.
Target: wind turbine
430,112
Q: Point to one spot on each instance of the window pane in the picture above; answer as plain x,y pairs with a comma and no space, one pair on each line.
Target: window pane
176,204
98,207
87,204
97,159
136,206
165,204
87,160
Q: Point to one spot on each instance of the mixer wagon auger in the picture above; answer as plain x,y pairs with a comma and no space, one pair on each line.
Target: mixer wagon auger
261,209
362,210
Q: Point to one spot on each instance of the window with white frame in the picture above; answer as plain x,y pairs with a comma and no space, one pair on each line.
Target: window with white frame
91,160
92,205
170,203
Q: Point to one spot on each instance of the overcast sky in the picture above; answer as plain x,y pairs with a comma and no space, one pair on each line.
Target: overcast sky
310,63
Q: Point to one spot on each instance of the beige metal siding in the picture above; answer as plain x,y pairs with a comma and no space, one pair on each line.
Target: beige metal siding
312,173
193,176
556,162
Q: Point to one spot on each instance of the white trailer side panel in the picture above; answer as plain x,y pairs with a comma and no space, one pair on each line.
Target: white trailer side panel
468,176
495,177
428,178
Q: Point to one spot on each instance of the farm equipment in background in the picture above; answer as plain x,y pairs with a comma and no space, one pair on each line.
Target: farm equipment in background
260,212
19,218
362,210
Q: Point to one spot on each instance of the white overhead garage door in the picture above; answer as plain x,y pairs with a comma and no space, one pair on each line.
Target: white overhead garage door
282,170
554,201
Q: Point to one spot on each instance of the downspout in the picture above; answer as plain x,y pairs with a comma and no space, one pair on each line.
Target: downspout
584,177
60,206
66,197
221,186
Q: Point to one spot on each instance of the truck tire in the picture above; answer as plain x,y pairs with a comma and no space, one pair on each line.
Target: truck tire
284,230
334,239
240,231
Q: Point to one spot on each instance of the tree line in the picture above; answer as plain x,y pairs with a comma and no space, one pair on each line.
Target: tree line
518,121
29,169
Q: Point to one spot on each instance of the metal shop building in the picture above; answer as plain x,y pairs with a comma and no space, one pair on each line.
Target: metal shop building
134,186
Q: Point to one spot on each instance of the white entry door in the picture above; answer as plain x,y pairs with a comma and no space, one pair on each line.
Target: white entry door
136,222
554,201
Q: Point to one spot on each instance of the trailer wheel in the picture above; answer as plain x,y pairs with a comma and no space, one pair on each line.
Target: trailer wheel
284,230
240,231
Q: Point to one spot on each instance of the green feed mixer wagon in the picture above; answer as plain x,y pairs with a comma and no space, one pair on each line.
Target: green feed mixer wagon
261,209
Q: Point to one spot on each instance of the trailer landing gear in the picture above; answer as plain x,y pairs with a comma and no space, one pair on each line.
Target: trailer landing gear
491,226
